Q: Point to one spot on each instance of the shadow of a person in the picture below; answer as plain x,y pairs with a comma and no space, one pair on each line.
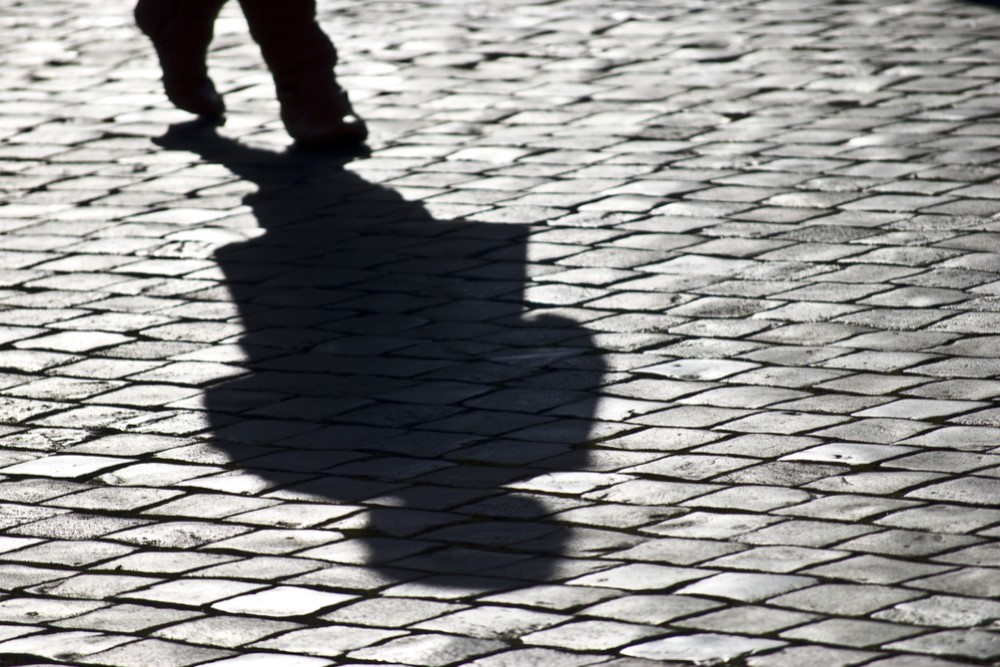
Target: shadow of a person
392,365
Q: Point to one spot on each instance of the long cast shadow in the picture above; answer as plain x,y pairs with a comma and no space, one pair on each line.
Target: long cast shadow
391,366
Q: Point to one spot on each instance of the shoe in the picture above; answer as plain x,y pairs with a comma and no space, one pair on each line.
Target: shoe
314,108
318,114
181,31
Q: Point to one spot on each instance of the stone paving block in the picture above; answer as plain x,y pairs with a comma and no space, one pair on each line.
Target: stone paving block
746,619
428,649
591,635
552,597
384,612
966,581
65,466
156,652
798,655
192,593
849,599
875,569
640,576
678,551
154,562
93,586
850,632
701,647
72,645
532,657
329,641
491,622
977,644
72,553
805,533
746,587
20,576
650,609
281,601
263,659
42,610
225,631
177,534
126,618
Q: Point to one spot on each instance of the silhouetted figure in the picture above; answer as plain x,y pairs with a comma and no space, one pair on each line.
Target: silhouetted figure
390,366
314,108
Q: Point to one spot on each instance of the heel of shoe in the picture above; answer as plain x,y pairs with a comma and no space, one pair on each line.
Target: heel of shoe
317,113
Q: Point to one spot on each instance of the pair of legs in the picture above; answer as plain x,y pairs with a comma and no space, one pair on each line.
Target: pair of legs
314,109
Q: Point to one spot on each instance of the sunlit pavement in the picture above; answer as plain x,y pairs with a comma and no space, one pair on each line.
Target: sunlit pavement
647,334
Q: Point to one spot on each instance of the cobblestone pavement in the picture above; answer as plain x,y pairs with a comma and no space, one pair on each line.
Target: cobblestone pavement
648,334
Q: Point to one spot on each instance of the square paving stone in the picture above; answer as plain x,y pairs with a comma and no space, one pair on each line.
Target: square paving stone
591,635
751,498
677,551
430,650
558,598
811,655
492,622
710,525
844,599
701,647
943,611
971,581
267,659
848,507
978,644
907,543
126,618
67,645
850,632
390,612
93,586
224,631
536,657
192,592
942,519
329,641
282,601
912,660
640,576
875,570
974,490
776,558
158,653
650,609
177,534
43,610
163,562
746,586
849,453
278,541
805,533
68,552
65,465
746,619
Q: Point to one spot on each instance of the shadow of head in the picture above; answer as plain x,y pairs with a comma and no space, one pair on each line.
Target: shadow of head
392,384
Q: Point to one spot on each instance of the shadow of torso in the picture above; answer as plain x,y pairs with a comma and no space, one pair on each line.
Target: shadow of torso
392,369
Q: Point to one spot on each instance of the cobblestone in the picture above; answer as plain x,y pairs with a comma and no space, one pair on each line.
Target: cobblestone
644,334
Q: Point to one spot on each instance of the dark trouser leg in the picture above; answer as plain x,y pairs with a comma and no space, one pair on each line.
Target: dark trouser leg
181,31
314,109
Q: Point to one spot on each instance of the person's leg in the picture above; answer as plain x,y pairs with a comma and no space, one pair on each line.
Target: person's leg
181,31
314,108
